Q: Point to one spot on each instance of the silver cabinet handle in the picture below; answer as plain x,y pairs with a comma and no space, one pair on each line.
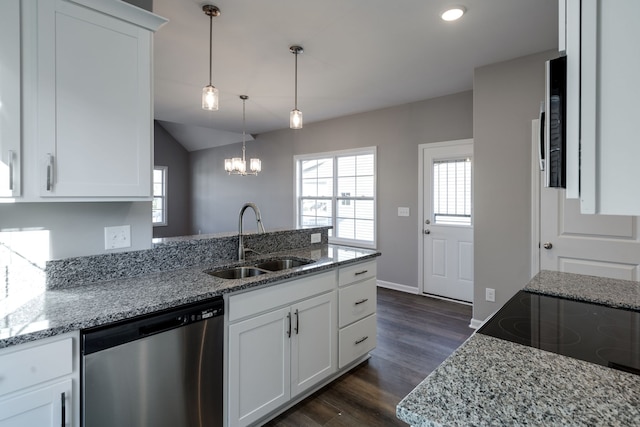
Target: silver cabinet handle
297,322
289,330
63,409
362,301
11,171
357,273
49,172
363,339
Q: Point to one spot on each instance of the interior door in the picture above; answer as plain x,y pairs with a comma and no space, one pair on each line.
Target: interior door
447,220
596,245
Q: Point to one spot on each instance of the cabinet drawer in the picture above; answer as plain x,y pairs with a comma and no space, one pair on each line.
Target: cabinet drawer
356,340
357,301
357,272
261,300
35,364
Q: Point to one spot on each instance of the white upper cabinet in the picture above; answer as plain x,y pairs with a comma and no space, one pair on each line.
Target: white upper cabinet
89,101
606,63
10,135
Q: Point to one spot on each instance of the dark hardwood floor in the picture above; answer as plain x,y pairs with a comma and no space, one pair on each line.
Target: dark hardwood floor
415,334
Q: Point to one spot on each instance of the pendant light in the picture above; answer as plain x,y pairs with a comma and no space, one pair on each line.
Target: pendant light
210,92
237,165
295,117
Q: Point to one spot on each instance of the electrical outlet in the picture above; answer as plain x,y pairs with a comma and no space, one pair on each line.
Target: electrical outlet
403,212
316,238
117,237
490,294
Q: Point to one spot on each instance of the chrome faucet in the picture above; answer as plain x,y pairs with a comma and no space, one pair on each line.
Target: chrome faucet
256,211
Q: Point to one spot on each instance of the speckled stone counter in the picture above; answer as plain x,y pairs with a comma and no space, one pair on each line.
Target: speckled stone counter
44,313
600,290
490,382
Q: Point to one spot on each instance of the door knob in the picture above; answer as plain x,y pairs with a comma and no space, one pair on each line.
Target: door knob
547,245
427,231
427,221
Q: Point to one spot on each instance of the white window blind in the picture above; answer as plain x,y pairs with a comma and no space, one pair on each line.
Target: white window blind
338,189
452,191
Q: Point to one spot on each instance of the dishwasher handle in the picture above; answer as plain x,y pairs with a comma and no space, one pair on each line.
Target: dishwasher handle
165,325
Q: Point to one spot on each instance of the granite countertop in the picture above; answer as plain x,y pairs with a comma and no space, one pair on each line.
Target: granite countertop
42,313
600,290
489,381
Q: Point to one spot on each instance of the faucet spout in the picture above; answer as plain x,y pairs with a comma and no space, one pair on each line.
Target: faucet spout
256,211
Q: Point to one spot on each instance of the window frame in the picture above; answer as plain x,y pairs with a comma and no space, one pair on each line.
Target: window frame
165,188
335,198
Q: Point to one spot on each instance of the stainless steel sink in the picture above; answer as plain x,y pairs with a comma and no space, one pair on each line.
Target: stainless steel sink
280,264
236,272
263,267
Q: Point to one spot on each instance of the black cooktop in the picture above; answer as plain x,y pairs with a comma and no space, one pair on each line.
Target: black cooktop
595,333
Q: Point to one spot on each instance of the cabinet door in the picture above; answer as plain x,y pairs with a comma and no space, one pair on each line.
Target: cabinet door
94,112
10,135
610,65
314,341
259,360
45,406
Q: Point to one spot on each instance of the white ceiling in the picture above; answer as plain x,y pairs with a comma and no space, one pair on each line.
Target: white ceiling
359,55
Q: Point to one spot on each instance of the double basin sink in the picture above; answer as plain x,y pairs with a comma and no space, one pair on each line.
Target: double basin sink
260,267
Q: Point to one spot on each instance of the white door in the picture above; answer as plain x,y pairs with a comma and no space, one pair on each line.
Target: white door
596,245
447,221
47,406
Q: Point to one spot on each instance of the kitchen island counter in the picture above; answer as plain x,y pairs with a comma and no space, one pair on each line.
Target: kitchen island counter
29,312
490,381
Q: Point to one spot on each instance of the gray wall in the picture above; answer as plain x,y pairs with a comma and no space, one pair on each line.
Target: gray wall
77,229
396,132
168,152
506,98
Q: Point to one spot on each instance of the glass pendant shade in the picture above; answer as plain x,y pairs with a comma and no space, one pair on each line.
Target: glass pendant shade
210,98
295,119
255,165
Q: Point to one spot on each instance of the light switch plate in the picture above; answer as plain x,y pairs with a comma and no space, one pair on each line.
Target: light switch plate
316,238
117,237
403,212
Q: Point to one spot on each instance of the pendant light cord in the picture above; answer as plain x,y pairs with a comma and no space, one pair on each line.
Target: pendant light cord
210,45
296,88
243,127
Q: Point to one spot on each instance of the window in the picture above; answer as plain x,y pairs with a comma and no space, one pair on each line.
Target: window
452,192
338,189
159,206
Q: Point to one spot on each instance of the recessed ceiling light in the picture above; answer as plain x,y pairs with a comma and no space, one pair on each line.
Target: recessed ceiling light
453,13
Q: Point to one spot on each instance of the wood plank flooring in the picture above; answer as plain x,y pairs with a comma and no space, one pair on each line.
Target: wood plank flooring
415,334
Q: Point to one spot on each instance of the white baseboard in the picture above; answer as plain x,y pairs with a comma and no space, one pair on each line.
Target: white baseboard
475,323
398,287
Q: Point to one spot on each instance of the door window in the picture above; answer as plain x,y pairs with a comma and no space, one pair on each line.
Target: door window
452,192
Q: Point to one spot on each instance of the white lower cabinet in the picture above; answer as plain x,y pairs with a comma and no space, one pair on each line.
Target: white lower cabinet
278,354
357,309
288,338
39,383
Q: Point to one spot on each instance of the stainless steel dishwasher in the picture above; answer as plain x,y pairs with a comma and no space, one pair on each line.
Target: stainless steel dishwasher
163,369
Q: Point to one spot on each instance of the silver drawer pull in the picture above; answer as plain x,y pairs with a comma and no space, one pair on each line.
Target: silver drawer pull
11,172
49,184
361,272
363,339
362,301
